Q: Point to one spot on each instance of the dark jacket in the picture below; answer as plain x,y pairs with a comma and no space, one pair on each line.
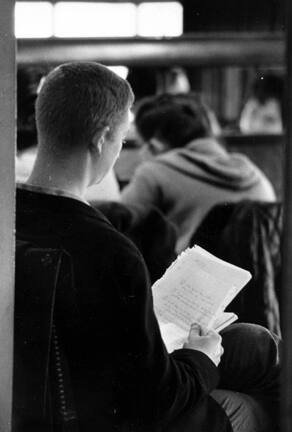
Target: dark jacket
123,378
152,233
248,234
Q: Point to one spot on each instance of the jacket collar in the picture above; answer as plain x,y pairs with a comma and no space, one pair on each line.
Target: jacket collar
30,200
208,145
49,191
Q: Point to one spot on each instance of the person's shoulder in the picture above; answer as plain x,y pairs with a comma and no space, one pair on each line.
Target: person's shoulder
83,230
95,225
121,258
97,230
170,158
155,168
147,166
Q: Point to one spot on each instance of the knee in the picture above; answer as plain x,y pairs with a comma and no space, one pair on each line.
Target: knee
253,337
250,332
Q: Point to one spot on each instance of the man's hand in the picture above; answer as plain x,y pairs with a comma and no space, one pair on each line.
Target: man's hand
205,340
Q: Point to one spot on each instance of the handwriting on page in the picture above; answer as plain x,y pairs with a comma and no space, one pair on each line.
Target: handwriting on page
180,310
195,288
183,301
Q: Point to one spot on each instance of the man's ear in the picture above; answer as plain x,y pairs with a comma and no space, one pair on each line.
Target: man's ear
99,139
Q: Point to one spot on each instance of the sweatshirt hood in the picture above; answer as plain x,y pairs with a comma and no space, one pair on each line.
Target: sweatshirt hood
206,160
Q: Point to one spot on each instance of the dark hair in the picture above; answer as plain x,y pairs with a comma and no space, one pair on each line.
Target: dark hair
76,101
175,119
143,81
268,86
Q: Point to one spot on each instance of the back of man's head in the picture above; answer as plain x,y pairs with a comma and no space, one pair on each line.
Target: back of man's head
76,101
175,119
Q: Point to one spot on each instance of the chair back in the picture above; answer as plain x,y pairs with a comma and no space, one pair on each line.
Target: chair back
248,234
38,355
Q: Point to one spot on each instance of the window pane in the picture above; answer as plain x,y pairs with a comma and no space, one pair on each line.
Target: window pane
94,19
33,19
160,19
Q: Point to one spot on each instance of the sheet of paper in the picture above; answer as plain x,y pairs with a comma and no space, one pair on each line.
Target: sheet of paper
174,336
182,301
196,288
224,320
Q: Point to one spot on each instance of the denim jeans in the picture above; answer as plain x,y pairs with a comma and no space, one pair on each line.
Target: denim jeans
249,387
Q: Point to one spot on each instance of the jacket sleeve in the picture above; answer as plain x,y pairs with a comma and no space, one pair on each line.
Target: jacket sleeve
158,387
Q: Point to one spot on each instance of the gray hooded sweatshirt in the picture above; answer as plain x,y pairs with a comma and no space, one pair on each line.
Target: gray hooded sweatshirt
185,183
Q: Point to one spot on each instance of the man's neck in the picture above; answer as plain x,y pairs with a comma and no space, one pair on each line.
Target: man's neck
67,177
55,184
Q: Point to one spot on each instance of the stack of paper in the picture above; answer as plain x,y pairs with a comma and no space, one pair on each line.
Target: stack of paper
197,287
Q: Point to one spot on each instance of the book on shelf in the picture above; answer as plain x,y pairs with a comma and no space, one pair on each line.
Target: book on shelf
197,287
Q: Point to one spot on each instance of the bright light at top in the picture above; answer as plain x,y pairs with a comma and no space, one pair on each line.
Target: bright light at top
88,19
94,19
33,19
160,19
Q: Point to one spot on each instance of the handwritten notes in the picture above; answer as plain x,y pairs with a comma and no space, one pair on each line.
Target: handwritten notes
195,288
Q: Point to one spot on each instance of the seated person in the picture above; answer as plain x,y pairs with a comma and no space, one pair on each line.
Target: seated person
190,171
123,378
262,112
176,81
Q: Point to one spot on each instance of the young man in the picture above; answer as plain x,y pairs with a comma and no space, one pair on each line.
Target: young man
190,172
123,379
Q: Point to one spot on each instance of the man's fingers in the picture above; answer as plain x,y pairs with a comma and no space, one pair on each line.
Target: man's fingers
196,328
204,330
214,335
220,350
218,356
201,330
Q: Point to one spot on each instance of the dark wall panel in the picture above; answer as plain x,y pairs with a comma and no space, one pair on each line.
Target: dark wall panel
233,15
